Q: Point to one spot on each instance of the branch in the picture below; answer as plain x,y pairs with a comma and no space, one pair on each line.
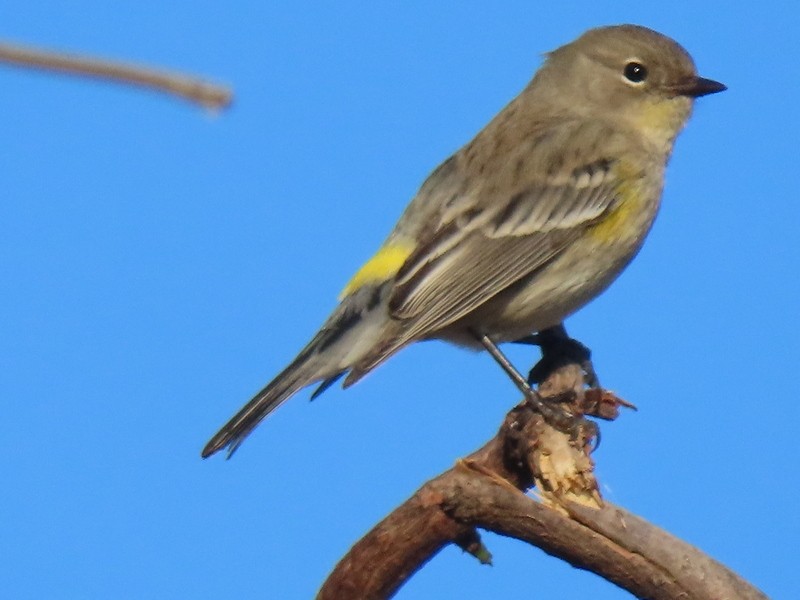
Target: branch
569,521
189,88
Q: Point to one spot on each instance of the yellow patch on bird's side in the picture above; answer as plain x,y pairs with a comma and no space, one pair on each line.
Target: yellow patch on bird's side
384,265
623,220
616,223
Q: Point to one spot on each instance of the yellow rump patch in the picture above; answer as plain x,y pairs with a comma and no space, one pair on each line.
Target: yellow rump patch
384,265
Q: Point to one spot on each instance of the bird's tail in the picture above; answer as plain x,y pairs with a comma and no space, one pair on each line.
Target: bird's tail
350,333
303,371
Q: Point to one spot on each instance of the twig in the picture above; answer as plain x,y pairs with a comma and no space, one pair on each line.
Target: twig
189,88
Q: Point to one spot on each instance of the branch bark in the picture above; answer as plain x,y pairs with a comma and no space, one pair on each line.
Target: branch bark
189,88
568,520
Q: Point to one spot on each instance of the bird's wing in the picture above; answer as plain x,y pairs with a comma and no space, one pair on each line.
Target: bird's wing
475,253
479,251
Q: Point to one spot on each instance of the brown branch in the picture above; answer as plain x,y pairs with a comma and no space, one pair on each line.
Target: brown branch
485,491
189,88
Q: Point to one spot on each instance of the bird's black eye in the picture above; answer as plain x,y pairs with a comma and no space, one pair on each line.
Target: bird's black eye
635,72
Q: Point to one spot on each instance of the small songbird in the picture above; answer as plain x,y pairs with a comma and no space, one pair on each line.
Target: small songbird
528,222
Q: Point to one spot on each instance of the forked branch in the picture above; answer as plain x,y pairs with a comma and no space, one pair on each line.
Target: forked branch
568,520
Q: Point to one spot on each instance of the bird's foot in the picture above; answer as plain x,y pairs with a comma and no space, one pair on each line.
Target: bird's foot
582,431
552,408
560,350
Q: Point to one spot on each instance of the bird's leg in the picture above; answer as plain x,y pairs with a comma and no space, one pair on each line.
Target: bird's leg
558,350
554,414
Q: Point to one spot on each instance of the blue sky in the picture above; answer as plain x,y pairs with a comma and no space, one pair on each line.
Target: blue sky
159,265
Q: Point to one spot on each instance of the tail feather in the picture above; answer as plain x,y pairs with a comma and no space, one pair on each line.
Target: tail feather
326,384
351,332
375,357
303,371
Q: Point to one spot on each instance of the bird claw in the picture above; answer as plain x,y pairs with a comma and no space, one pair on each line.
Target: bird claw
581,430
585,433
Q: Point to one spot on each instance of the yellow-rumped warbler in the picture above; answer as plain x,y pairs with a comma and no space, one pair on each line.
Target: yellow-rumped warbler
533,218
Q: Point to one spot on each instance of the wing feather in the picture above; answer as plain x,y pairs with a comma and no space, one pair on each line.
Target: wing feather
467,263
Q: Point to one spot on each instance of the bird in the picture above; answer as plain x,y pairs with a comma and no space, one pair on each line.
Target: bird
521,227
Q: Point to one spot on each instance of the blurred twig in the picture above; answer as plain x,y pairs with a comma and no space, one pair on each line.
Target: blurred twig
189,88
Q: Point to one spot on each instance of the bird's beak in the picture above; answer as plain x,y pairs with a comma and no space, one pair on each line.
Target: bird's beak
697,86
